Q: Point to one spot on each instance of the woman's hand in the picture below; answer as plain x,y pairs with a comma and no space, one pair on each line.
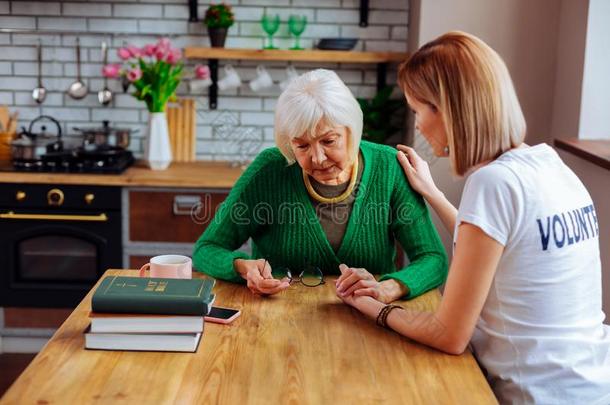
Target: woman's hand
359,282
367,305
259,279
417,171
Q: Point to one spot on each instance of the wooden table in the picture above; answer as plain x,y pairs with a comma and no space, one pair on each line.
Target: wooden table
301,346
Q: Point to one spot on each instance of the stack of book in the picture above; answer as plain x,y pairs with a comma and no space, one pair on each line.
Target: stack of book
149,314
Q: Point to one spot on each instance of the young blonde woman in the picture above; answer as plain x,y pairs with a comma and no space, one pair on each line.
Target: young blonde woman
525,282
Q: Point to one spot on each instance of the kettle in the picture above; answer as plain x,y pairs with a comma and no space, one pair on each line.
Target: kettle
31,146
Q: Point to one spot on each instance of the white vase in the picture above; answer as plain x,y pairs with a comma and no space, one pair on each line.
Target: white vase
157,150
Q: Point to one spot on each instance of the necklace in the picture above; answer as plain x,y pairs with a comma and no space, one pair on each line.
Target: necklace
339,198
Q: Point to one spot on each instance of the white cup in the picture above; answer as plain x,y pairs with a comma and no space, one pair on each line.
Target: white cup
291,74
231,79
262,80
168,266
198,85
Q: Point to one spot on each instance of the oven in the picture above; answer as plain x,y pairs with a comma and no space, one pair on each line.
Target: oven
56,241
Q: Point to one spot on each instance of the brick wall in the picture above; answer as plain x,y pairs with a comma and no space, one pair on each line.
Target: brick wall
241,114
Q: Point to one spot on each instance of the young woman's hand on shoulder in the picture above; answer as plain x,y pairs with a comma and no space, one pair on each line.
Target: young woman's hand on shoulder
417,171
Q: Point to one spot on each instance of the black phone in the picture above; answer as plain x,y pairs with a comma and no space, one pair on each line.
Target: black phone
222,315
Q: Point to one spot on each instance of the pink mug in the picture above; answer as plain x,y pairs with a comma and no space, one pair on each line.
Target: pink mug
169,266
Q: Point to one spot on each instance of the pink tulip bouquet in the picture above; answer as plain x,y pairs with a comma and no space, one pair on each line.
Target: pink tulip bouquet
155,70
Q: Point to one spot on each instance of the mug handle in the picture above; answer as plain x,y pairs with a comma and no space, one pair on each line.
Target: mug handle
143,269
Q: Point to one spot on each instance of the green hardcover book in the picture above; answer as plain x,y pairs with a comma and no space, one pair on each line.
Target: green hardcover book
153,296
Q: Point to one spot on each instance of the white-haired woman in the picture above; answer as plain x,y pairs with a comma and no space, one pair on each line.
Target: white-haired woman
323,198
525,279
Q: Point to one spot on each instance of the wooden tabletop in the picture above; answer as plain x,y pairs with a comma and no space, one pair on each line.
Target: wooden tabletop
301,346
184,175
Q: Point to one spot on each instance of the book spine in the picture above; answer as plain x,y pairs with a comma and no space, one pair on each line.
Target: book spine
148,305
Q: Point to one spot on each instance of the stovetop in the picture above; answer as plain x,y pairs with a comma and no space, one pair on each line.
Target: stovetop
110,161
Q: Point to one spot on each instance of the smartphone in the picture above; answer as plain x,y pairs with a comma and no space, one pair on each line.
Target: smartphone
222,315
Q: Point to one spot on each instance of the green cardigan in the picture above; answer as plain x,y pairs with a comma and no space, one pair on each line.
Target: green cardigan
269,203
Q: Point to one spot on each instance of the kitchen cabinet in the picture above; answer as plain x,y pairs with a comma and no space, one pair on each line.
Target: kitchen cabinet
166,220
171,216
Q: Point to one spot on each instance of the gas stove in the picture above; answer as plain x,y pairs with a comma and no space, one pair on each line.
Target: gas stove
101,150
111,160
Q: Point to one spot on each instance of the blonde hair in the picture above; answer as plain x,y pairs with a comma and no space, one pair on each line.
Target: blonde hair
316,96
469,84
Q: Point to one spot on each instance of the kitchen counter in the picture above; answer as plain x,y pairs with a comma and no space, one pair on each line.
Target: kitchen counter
184,175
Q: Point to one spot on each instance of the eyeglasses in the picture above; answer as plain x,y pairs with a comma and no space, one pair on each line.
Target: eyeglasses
311,276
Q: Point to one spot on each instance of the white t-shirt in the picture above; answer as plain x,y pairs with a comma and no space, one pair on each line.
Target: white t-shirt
540,335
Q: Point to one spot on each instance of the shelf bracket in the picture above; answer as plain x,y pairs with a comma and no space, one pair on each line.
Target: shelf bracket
364,13
213,90
382,72
193,11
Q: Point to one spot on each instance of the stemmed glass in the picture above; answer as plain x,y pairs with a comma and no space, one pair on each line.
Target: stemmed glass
296,26
270,25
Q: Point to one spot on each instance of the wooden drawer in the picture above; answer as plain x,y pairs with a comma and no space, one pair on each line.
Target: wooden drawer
35,317
156,216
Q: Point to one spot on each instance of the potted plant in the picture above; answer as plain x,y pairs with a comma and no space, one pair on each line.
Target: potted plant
383,116
218,18
155,71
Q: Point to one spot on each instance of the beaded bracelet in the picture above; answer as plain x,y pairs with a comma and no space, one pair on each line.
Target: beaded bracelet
382,317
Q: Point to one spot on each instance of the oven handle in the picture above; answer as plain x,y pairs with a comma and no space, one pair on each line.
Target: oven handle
55,217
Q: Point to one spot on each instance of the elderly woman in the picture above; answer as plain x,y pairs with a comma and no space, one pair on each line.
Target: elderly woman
326,199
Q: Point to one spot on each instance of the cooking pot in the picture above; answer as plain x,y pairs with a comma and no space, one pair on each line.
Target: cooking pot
31,146
104,137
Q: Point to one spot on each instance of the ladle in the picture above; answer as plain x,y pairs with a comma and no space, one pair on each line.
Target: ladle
104,96
78,89
39,93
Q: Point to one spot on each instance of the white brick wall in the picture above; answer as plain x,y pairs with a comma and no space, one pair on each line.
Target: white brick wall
143,21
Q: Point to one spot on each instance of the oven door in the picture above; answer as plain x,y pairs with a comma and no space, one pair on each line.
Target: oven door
53,259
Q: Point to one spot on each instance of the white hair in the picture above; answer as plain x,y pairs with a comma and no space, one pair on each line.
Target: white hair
308,99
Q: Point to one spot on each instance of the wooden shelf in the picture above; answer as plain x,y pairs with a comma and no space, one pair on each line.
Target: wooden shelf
596,151
307,55
213,55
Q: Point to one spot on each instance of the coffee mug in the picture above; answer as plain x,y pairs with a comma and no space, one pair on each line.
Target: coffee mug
198,85
262,80
291,74
169,266
231,79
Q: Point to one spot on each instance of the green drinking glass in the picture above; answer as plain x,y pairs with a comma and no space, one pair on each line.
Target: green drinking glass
270,25
296,26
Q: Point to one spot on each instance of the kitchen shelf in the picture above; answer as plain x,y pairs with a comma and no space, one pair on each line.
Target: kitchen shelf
315,55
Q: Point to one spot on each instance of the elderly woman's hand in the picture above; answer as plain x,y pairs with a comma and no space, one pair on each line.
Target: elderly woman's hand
417,171
259,279
359,282
365,304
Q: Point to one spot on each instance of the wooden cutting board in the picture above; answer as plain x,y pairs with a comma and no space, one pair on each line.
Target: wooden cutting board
181,120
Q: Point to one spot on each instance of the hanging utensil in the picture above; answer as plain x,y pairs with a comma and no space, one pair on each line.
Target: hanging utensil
78,89
104,96
39,93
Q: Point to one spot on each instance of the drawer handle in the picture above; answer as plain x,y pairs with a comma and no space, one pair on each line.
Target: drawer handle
53,217
183,204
